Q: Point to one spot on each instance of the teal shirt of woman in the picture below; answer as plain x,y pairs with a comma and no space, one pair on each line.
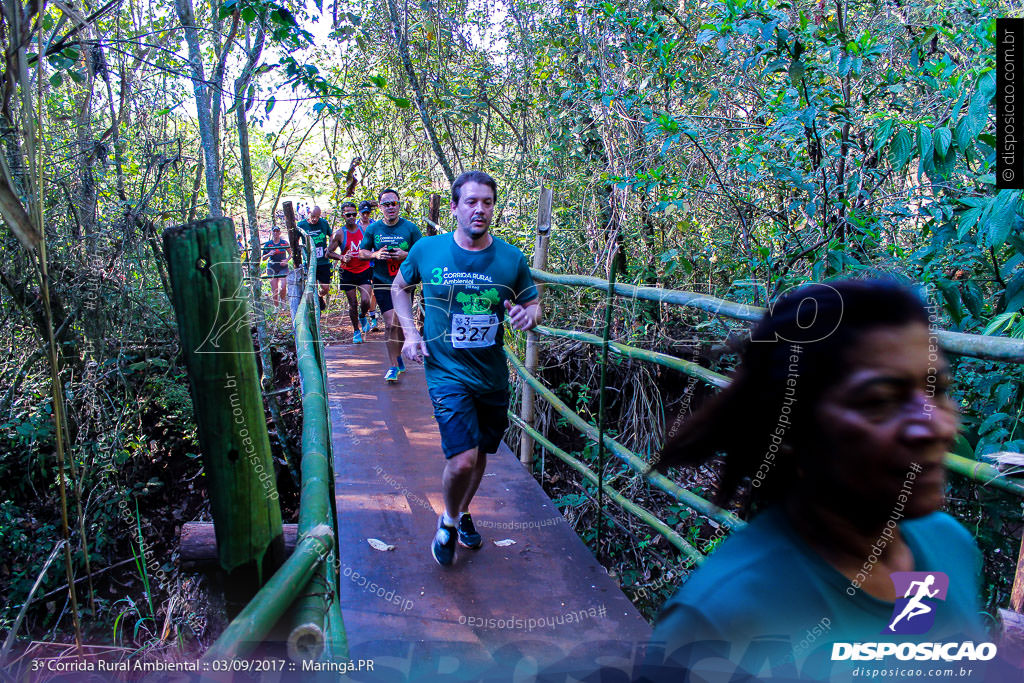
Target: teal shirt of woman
769,605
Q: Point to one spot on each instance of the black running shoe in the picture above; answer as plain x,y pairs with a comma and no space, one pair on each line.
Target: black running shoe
443,548
468,536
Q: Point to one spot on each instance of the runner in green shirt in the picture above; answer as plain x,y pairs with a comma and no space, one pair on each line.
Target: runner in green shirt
471,281
387,242
320,229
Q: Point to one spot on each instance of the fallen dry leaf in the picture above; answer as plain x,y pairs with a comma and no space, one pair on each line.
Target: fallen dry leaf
505,542
378,544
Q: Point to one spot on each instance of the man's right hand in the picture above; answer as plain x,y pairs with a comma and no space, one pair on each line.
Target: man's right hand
415,350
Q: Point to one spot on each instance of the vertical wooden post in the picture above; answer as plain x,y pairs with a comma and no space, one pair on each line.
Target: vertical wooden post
213,316
293,234
540,262
433,213
295,279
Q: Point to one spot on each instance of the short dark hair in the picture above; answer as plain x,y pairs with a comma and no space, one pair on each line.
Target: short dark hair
276,228
344,204
365,206
473,177
842,313
386,191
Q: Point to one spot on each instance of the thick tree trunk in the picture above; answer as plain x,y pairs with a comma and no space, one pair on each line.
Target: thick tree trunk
214,181
428,125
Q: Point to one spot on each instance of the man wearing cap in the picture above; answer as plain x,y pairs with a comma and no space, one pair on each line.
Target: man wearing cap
277,267
365,218
365,214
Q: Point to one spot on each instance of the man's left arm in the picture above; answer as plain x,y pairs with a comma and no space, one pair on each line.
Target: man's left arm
524,316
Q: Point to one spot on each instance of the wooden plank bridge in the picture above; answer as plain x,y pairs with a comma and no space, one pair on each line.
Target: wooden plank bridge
540,605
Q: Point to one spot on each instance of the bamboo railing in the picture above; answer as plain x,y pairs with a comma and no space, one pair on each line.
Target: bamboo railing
307,583
987,348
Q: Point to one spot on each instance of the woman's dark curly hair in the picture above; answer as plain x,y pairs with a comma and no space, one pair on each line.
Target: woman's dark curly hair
771,396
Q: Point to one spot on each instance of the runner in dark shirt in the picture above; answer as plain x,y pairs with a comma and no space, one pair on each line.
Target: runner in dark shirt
278,251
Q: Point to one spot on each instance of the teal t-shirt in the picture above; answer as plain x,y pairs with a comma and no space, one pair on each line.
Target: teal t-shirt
321,233
770,605
464,296
402,235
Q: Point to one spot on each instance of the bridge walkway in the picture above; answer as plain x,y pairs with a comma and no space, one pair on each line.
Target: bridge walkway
540,604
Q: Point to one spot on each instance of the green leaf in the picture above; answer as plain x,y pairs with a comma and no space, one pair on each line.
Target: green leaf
796,72
972,299
270,104
56,80
248,15
1013,297
378,81
990,422
900,149
967,221
977,115
924,141
962,133
706,36
941,139
882,134
400,101
1000,218
162,112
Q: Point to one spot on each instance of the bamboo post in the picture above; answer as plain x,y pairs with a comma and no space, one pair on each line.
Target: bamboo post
540,262
308,635
213,316
636,463
252,625
609,304
641,513
433,213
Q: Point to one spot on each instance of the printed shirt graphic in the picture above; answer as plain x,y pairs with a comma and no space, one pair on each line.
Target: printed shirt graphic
276,250
402,235
464,294
354,238
759,598
321,233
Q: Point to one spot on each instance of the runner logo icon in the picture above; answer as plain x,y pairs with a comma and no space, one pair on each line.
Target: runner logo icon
914,613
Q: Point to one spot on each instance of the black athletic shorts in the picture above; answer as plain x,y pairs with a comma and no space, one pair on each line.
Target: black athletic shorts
349,280
469,419
383,292
276,269
323,274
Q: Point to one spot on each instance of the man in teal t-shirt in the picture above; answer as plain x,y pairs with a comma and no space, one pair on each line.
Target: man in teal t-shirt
471,281
387,242
320,230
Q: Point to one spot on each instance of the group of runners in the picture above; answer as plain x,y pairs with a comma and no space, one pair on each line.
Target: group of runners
472,283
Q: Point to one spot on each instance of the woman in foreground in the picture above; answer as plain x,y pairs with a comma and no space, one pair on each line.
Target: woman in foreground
838,420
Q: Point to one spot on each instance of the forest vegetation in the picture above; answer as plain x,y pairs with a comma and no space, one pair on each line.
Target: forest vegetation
730,147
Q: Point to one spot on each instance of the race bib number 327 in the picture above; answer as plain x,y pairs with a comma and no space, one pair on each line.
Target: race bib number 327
473,331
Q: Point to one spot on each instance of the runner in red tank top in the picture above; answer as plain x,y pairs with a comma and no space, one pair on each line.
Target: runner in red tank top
355,272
